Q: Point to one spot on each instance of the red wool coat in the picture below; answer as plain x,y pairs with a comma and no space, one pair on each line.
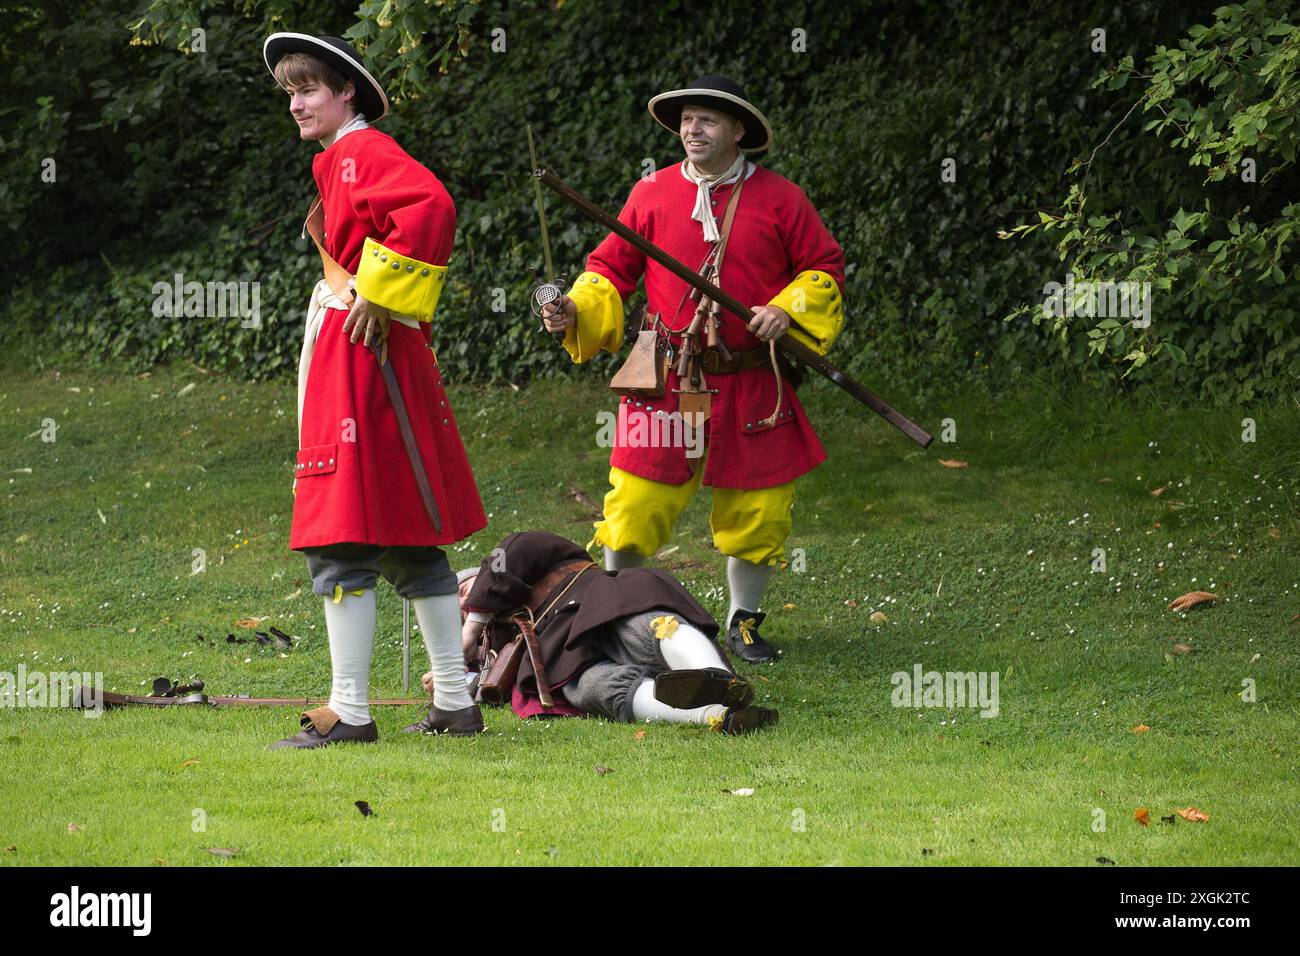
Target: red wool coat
360,486
776,235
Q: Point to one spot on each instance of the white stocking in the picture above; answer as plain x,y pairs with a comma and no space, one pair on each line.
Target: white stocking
646,706
439,617
351,627
748,581
689,649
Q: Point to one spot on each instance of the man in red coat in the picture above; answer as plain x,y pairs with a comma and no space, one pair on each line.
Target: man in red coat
780,260
376,492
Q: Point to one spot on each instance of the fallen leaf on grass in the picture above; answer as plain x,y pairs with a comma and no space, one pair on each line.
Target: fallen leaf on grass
742,792
159,861
365,808
1140,729
1171,819
11,849
1105,861
601,770
1157,492
250,622
1193,815
639,735
75,828
191,762
1181,649
792,607
1190,600
290,597
1143,816
1274,533
223,851
851,603
953,463
878,617
1104,481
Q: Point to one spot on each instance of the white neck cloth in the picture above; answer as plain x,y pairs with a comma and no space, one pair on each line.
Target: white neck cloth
703,211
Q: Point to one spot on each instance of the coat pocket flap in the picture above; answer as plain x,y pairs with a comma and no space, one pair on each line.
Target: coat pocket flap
317,460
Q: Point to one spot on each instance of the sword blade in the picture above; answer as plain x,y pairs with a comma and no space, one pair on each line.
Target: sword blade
541,211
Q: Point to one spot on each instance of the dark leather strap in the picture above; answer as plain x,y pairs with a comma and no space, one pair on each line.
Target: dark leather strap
715,363
525,625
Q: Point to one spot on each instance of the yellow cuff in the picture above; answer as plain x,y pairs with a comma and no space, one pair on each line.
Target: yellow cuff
399,283
815,307
600,318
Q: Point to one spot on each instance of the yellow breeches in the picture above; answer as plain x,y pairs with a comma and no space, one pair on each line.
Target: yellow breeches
751,524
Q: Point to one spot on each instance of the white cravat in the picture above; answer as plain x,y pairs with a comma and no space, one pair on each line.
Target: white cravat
704,182
351,126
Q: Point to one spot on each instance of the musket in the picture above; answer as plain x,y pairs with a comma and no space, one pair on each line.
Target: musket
787,343
88,698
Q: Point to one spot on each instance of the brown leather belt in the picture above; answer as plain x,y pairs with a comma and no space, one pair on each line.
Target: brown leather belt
714,363
543,588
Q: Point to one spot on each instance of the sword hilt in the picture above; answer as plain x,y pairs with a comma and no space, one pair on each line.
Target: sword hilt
544,294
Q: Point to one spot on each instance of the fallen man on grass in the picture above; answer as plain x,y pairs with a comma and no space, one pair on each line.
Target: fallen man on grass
551,634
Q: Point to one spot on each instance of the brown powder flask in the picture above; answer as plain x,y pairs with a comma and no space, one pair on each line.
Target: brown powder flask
645,371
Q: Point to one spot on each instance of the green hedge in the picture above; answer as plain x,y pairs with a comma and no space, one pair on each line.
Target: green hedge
174,161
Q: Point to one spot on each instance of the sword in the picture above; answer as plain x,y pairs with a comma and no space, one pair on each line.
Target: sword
408,436
551,287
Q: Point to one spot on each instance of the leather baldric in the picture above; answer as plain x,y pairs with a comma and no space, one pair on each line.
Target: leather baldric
336,277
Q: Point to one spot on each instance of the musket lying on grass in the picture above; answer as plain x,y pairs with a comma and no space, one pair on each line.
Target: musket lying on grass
787,343
88,698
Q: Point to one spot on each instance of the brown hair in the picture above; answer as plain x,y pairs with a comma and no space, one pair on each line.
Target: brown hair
296,69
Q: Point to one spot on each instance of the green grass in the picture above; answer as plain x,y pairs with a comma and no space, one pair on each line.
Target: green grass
977,569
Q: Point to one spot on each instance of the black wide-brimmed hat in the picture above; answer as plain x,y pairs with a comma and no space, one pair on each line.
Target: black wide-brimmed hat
339,54
719,92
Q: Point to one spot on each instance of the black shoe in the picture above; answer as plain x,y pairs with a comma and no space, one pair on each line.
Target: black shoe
746,720
744,640
696,688
323,727
458,723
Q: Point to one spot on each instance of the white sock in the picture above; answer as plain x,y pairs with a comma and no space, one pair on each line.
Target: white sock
646,706
351,627
690,649
618,560
439,617
748,581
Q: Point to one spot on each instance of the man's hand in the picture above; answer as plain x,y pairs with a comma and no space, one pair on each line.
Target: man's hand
368,320
769,322
560,314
